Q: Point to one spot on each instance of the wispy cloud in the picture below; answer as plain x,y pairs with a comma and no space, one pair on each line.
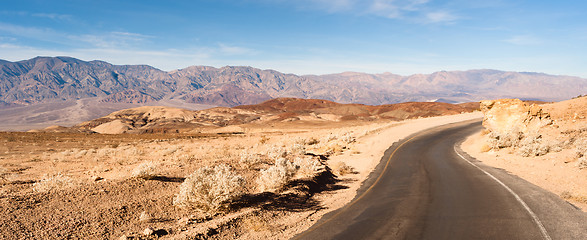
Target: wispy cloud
53,16
233,50
440,17
43,34
112,39
415,11
394,8
524,40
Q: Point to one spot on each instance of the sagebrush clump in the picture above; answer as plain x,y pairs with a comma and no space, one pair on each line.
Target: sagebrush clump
248,159
207,189
307,167
276,177
145,170
581,153
52,182
341,169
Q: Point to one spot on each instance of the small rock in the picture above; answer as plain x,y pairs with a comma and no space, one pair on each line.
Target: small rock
145,217
97,178
148,231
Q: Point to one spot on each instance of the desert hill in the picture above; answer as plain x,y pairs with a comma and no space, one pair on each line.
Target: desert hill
149,119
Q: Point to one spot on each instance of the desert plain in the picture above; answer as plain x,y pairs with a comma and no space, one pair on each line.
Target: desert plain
276,168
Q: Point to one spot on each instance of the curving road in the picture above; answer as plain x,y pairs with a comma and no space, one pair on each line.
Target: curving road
426,188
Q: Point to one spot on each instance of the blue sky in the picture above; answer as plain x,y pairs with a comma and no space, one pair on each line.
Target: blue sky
305,36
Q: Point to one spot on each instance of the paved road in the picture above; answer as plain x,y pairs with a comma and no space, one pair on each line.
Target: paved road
426,188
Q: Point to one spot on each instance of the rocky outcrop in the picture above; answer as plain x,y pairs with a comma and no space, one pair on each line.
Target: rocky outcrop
514,123
534,130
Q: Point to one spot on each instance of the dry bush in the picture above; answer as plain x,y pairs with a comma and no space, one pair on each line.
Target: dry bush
510,139
256,223
207,189
348,138
296,150
307,167
306,141
145,170
51,182
248,159
341,169
570,196
329,138
533,145
312,141
276,152
276,177
581,145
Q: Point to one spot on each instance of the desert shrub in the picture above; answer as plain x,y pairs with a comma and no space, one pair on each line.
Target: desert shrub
276,177
504,140
306,141
341,169
312,141
333,148
276,152
581,145
248,159
330,137
533,145
348,138
581,153
296,150
145,170
207,189
264,139
52,182
307,167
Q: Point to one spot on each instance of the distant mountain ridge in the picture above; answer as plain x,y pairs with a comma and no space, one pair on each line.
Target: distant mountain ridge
48,79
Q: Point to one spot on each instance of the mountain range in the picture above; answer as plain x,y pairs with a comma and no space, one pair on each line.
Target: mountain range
72,83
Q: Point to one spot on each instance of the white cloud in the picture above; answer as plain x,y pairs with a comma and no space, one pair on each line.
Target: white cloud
29,32
233,50
330,6
112,39
334,5
524,40
53,16
440,17
416,11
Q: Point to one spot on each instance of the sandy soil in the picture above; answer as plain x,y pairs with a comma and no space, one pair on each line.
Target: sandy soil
74,185
554,172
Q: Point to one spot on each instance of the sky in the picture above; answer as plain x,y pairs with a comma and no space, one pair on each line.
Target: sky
305,36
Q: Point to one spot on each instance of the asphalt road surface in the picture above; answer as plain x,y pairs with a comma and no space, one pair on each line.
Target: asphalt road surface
426,188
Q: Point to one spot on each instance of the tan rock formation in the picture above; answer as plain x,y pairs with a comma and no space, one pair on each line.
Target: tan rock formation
514,123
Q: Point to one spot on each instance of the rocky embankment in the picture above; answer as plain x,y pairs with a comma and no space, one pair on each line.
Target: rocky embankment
544,144
530,130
